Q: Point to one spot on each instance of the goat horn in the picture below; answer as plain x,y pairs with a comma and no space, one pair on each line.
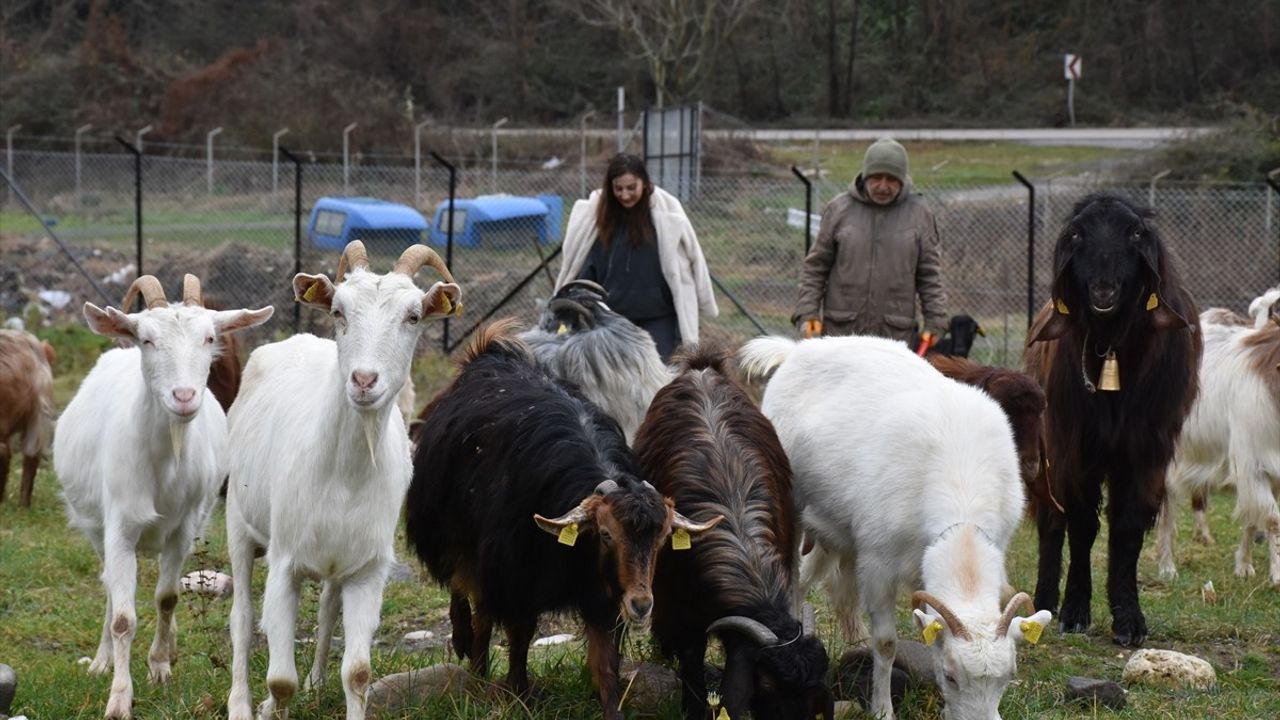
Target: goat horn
1021,600
191,291
152,293
753,629
808,619
680,521
415,256
587,285
920,597
606,487
353,256
578,308
576,515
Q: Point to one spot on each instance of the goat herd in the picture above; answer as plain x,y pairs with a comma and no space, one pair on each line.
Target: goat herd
566,468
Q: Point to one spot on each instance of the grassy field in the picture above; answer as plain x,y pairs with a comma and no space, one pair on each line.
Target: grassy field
955,163
51,614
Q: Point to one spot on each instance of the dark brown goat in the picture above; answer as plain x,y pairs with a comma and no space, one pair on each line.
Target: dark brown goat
26,404
507,453
1117,350
706,446
1022,400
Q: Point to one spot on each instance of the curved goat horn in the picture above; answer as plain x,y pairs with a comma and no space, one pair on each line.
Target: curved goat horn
1021,600
415,256
353,256
808,619
920,597
588,285
191,291
578,308
152,293
606,487
753,629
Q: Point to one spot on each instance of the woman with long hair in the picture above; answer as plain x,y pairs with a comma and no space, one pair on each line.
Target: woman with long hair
633,238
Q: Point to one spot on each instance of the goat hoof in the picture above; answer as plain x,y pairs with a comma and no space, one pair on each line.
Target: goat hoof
120,706
160,673
1074,619
1129,629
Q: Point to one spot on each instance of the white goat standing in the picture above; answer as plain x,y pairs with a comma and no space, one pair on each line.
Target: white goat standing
905,479
319,468
1232,435
139,453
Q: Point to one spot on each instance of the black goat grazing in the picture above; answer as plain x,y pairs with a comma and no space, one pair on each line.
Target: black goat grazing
610,359
711,450
1117,351
506,453
959,338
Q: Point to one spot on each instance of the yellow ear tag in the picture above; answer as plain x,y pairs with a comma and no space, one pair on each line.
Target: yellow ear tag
1031,631
569,534
724,714
445,305
930,632
310,294
1153,302
562,329
680,539
1062,307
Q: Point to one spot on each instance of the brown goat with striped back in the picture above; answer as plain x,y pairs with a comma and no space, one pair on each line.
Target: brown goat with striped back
706,446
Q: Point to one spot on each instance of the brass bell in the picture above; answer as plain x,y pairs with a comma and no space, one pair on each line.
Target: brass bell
1110,379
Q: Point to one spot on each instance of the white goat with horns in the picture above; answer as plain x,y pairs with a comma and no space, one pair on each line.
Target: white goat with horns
319,468
139,452
905,479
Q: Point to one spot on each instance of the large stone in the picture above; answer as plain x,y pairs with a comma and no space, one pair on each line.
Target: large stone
912,666
1169,669
393,693
647,686
1096,692
8,686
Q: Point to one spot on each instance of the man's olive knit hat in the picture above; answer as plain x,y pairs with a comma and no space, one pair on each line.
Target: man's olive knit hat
885,156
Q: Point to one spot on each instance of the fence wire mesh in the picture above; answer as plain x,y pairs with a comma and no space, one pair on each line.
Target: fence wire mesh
232,223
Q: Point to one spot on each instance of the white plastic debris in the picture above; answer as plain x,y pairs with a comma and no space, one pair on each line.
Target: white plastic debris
418,636
84,660
57,299
553,640
14,323
207,582
553,163
118,277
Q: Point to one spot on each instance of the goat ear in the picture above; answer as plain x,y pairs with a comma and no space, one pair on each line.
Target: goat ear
109,322
929,626
232,320
1051,323
442,300
313,291
1028,629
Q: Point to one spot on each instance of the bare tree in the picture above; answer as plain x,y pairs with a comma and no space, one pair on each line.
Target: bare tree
678,39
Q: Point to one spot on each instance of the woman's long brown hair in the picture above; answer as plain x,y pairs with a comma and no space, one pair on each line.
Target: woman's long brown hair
610,215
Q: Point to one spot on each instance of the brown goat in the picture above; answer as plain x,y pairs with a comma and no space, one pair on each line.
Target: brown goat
1022,400
26,404
1117,350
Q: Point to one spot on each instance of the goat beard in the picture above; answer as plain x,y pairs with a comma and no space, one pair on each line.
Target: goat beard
177,433
370,422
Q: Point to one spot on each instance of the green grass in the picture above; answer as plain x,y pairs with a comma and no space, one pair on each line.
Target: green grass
51,613
954,163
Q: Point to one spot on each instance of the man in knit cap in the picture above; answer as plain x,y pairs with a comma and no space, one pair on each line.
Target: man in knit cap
877,249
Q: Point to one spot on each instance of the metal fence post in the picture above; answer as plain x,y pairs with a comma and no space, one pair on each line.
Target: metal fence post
346,158
297,227
1274,182
493,136
8,152
79,131
417,163
208,143
137,194
448,248
1031,246
808,206
275,160
582,156
137,138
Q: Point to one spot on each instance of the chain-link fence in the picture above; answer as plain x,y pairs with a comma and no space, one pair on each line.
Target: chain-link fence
232,222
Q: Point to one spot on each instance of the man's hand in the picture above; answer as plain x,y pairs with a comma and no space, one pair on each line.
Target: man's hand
811,328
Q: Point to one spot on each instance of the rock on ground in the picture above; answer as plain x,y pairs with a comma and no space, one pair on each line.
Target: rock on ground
1168,668
396,692
8,686
1091,691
